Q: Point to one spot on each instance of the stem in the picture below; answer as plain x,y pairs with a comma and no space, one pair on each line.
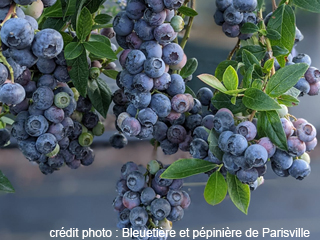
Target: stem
292,117
189,26
274,5
12,11
155,148
252,115
236,47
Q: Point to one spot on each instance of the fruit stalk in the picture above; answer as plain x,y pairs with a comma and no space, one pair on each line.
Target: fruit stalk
189,26
274,5
236,47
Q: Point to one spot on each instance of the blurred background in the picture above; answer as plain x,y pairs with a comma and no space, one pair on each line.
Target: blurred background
83,198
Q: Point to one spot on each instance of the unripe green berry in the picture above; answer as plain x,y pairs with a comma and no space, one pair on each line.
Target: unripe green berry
153,166
305,157
76,93
283,111
76,116
177,23
55,152
84,129
62,100
94,73
98,130
85,139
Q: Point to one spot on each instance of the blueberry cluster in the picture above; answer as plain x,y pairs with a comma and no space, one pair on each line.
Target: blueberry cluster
151,102
147,201
232,14
53,125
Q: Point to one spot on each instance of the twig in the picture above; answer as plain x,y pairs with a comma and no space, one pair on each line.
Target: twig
236,47
155,148
274,5
252,115
12,10
189,26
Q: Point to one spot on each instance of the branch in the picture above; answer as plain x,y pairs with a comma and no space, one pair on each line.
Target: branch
274,5
189,26
236,47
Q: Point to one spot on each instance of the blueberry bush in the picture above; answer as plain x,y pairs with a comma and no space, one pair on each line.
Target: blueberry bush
53,98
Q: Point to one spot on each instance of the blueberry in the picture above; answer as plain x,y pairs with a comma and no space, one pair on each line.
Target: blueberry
45,168
119,98
200,132
108,32
5,3
196,107
164,33
126,80
127,168
231,31
160,208
281,160
180,103
229,162
118,204
160,131
193,121
133,41
247,129
70,108
155,18
144,30
147,117
311,145
4,137
122,24
223,4
29,150
23,57
135,9
268,145
90,120
46,66
218,17
135,61
163,82
48,81
223,140
138,216
142,82
199,148
295,146
312,75
135,181
223,121
175,197
84,104
124,216
12,93
176,134
173,4
205,95
75,148
237,144
61,74
151,49
60,59
131,126
122,41
132,110
155,5
56,162
302,58
3,74
314,89
299,169
63,87
36,125
212,158
298,36
131,199
58,130
18,131
54,114
168,147
68,156
306,132
154,67
172,54
176,214
160,104
17,33
43,98
170,14
303,86
186,200
208,121
161,190
177,85
64,143
232,16
147,195
23,106
249,17
256,155
162,181
121,187
48,43
245,5
247,176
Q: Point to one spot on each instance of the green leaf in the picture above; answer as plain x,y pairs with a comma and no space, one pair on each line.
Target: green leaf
309,5
5,185
248,28
93,5
216,189
66,38
100,38
288,100
235,92
74,19
100,49
190,67
293,92
283,21
7,120
67,6
190,91
230,78
258,51
84,24
279,51
102,18
100,96
269,125
249,59
268,65
260,4
79,73
212,81
111,73
221,100
56,10
221,68
97,26
187,167
187,11
239,193
54,23
73,50
258,84
247,79
257,100
273,34
285,78
213,144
